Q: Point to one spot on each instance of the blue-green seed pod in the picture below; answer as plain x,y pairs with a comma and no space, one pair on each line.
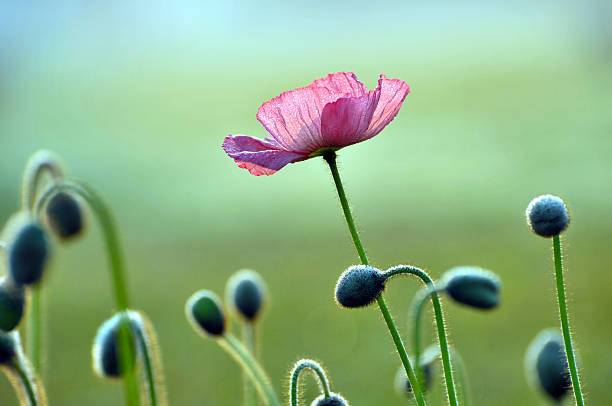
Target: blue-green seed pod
333,400
8,348
547,215
359,286
472,286
105,351
64,215
245,294
402,383
28,249
546,365
12,304
205,313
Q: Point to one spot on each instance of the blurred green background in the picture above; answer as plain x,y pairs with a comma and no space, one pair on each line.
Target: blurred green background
508,101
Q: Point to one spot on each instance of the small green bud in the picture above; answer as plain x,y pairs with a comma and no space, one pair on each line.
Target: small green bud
8,347
359,286
12,304
472,286
28,249
205,313
106,350
246,294
333,400
64,215
546,365
547,216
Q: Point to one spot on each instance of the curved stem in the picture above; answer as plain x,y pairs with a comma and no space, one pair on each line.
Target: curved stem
294,379
569,348
245,359
29,395
330,158
113,249
248,337
439,315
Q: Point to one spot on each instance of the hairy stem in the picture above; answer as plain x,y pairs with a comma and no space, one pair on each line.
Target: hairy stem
567,337
330,158
152,369
245,359
294,379
249,337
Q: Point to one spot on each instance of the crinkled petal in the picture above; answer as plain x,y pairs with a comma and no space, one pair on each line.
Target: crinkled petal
344,121
293,119
259,157
392,95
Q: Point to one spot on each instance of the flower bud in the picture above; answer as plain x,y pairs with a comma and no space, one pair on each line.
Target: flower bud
333,400
64,215
246,294
359,286
106,348
12,304
547,215
402,383
28,249
8,348
205,313
546,364
472,286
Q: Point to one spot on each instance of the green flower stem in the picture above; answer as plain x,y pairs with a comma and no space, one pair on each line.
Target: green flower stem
40,162
147,346
249,337
569,347
416,309
245,359
439,316
294,379
459,367
29,392
330,158
111,239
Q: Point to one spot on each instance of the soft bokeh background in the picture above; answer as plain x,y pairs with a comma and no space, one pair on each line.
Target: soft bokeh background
508,101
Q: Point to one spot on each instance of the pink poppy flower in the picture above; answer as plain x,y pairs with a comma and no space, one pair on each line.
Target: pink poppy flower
329,114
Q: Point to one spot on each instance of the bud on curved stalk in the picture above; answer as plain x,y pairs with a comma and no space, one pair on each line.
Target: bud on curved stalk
402,383
546,365
246,294
206,315
547,216
12,304
359,286
472,286
19,371
327,397
334,399
39,162
28,249
64,216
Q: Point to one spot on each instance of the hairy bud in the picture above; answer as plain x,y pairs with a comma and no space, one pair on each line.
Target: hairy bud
359,286
472,286
28,249
64,215
546,364
205,313
246,294
8,348
333,400
547,215
106,347
12,304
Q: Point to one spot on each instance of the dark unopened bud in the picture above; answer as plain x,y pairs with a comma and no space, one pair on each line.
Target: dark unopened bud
28,249
359,286
333,400
12,303
472,286
402,383
547,215
205,313
106,347
546,365
64,215
8,347
246,294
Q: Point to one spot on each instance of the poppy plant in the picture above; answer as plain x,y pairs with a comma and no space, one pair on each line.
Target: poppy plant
329,114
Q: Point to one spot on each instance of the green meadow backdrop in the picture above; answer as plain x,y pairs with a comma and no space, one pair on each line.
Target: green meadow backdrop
507,102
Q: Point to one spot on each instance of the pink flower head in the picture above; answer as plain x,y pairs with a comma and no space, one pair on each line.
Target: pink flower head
329,114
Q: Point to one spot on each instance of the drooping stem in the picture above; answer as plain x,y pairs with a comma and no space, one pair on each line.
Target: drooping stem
40,162
439,316
115,258
330,158
569,347
294,379
245,359
249,338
